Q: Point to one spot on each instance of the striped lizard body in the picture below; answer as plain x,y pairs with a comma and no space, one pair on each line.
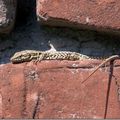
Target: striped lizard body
29,55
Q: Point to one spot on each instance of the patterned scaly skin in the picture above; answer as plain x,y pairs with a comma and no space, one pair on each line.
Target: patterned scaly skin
33,55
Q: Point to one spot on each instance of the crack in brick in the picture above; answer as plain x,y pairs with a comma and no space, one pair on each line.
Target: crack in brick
36,107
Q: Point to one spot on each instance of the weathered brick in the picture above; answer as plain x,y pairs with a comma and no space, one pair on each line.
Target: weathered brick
7,15
53,89
102,15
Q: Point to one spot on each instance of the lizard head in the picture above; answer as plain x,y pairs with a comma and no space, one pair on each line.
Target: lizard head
23,56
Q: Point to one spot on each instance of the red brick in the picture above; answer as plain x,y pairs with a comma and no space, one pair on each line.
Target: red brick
102,15
7,15
53,89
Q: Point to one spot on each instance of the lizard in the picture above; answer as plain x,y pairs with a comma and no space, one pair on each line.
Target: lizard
29,55
33,55
103,63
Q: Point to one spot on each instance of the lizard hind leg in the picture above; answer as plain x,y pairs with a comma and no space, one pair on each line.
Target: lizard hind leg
39,59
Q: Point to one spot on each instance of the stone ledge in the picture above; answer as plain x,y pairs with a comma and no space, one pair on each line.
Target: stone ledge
53,89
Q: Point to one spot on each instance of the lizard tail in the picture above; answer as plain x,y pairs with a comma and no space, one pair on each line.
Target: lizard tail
107,60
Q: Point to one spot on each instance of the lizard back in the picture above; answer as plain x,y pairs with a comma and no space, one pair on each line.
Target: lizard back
64,56
29,55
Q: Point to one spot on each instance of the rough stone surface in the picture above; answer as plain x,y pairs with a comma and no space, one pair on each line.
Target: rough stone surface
103,15
7,15
53,89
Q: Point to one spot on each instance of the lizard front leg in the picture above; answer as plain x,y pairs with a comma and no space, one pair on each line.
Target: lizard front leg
38,59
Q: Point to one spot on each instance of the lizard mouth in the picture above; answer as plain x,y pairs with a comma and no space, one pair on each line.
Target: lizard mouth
13,60
18,60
